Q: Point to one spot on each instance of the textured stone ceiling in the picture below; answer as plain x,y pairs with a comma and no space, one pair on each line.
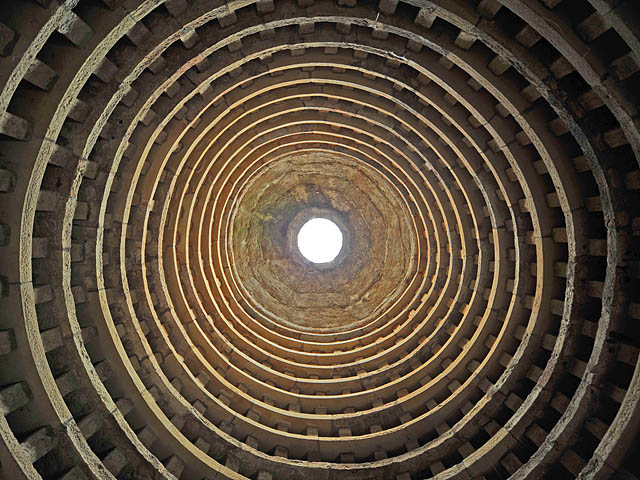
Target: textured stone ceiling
378,263
157,159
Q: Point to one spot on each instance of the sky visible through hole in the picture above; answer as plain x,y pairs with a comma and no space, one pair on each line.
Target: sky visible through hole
320,240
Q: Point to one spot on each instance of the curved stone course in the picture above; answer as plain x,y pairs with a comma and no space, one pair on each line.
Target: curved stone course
482,159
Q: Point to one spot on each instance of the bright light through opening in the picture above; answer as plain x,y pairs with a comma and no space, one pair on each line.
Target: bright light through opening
320,240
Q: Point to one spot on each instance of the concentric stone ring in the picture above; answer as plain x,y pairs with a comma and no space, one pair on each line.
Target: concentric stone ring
158,159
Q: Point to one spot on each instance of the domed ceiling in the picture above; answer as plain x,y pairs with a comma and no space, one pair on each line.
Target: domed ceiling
158,318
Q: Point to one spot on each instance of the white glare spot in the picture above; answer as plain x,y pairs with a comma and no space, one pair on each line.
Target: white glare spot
320,240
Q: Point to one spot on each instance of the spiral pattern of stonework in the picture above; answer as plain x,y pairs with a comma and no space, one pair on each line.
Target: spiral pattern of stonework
481,159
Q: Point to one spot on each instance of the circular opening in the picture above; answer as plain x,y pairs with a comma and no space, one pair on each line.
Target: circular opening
319,240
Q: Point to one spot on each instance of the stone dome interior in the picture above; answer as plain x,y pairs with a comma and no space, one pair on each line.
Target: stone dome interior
480,319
